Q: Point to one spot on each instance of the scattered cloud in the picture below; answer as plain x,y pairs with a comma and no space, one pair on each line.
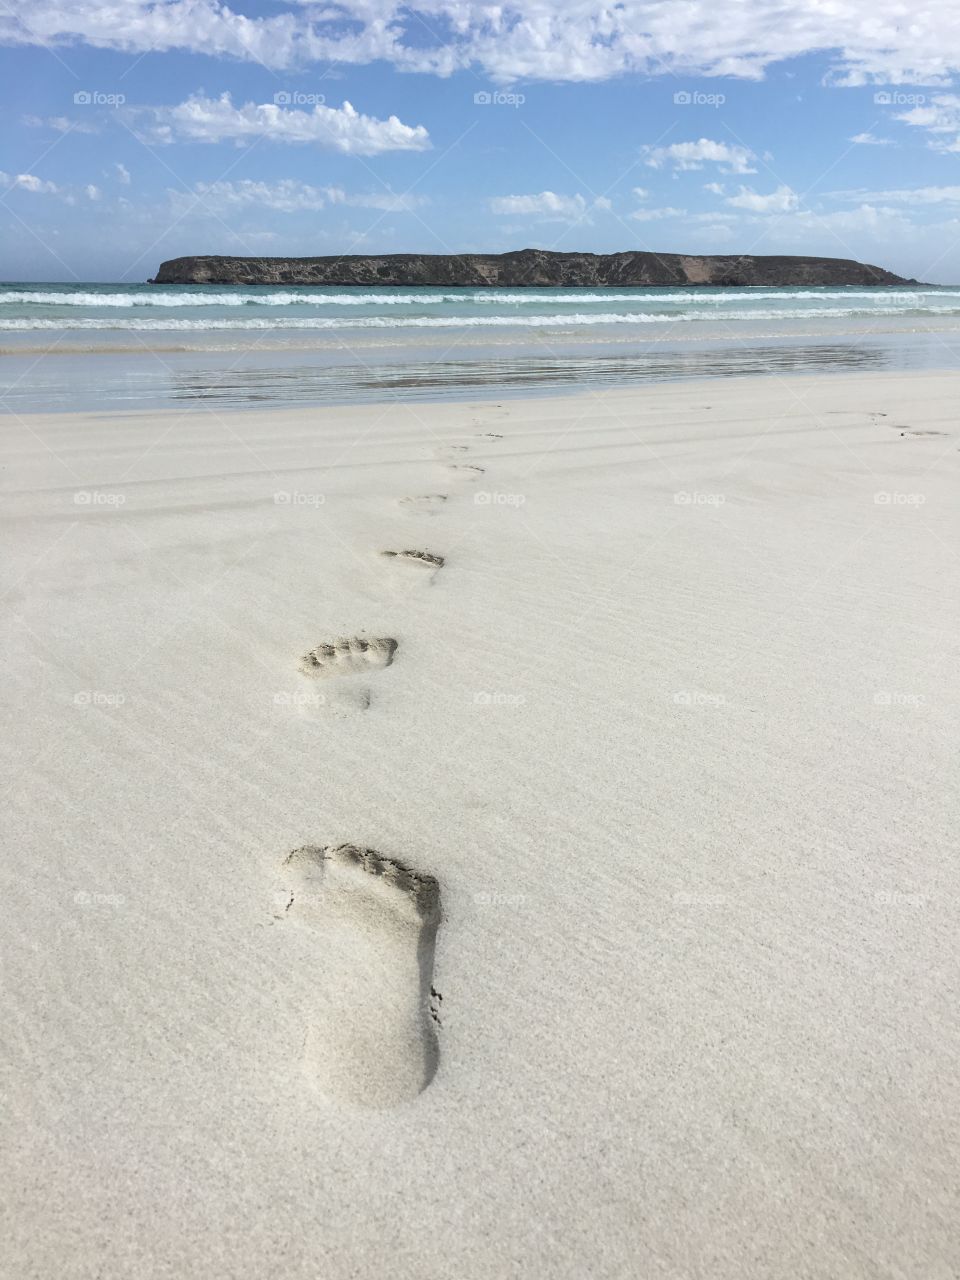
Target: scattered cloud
715,188
29,182
694,155
941,118
42,187
59,124
289,196
868,140
657,215
555,40
342,129
783,200
849,229
904,195
122,174
548,206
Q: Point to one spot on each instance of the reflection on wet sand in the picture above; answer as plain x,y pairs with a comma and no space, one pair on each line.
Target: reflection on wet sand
279,377
433,379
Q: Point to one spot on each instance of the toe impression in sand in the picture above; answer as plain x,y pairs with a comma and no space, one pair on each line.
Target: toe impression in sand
425,503
422,560
372,1029
348,656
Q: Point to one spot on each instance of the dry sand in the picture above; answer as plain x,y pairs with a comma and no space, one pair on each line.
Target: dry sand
584,905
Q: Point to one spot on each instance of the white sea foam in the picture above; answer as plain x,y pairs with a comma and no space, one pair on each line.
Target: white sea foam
579,319
182,297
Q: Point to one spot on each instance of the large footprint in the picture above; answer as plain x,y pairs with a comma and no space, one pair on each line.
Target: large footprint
351,656
372,1033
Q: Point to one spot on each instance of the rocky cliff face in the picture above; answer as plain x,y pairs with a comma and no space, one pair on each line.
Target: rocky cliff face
527,267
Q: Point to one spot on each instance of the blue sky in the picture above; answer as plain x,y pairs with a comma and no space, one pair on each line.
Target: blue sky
139,130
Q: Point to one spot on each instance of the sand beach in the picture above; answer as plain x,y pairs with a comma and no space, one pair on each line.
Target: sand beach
497,838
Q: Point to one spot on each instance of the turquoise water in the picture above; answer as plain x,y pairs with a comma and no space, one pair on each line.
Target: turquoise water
243,310
107,346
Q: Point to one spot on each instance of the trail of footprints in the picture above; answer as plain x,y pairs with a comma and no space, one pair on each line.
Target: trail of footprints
372,1031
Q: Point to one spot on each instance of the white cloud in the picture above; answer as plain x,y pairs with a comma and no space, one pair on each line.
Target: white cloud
868,140
568,40
343,129
641,193
713,216
715,188
29,182
904,195
289,196
123,174
657,215
694,155
783,200
864,233
60,124
41,187
547,205
941,118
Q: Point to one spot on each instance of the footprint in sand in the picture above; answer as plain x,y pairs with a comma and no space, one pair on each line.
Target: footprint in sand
452,457
425,562
425,504
372,1029
349,657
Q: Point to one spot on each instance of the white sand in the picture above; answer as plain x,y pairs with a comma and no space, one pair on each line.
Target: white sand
686,774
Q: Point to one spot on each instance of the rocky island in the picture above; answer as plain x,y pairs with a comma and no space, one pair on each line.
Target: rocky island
538,268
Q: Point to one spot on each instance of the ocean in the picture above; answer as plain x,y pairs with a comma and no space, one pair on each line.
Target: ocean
147,346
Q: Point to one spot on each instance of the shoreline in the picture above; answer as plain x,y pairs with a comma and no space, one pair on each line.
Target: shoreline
250,376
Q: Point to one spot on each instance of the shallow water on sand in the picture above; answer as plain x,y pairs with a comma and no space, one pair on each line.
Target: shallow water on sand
64,379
